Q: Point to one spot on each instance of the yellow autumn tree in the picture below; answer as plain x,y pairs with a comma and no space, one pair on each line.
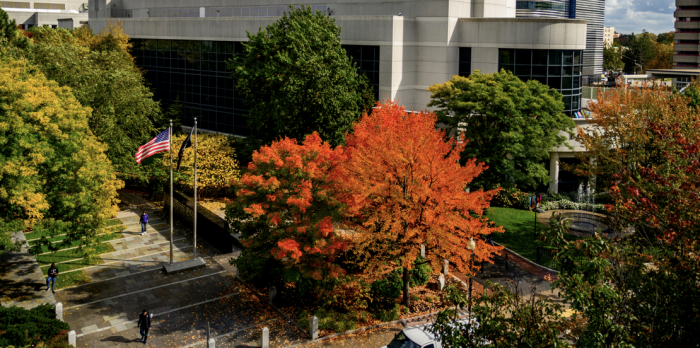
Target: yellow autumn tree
217,166
54,174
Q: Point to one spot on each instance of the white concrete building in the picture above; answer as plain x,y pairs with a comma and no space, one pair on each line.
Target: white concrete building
404,46
47,12
608,36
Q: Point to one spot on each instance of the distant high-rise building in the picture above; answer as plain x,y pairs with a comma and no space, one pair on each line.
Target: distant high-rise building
608,35
591,10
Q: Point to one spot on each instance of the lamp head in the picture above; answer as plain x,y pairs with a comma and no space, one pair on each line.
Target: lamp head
471,246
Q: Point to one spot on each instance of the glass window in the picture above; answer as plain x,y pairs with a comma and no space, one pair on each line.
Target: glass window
523,57
539,57
566,85
541,79
568,70
522,70
568,57
554,82
539,70
577,57
554,57
506,56
554,70
577,82
506,67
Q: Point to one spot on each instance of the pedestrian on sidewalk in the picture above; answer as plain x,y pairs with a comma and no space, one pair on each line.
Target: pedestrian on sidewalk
53,274
144,324
144,221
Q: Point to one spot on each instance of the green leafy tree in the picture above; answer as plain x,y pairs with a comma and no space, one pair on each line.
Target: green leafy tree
506,318
640,52
511,125
7,27
54,174
641,290
297,79
124,114
612,58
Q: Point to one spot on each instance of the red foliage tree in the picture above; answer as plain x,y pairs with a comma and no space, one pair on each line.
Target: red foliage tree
288,207
403,181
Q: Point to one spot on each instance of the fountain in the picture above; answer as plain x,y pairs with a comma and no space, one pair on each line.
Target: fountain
585,221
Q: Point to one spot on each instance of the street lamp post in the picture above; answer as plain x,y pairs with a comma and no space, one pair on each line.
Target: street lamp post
471,246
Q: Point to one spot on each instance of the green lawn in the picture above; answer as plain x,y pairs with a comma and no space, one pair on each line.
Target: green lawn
102,238
109,223
519,234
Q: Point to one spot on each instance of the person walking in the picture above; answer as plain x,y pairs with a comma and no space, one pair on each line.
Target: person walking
53,274
144,221
144,324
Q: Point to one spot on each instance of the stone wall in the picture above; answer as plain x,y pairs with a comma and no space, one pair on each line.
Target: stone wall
210,227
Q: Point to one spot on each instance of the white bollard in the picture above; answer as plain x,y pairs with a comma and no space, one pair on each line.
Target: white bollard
441,282
422,251
59,310
211,343
71,338
265,338
313,327
447,267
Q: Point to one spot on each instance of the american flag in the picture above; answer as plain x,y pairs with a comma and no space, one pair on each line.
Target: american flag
158,144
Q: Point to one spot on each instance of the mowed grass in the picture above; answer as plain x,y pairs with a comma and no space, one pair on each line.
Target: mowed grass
102,238
70,279
519,226
114,225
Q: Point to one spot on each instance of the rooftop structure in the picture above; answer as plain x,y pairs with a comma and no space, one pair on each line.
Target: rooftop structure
47,12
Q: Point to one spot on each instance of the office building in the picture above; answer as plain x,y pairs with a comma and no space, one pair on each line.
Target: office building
686,54
404,47
53,13
608,36
593,11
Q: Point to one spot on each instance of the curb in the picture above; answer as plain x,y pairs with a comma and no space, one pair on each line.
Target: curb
529,262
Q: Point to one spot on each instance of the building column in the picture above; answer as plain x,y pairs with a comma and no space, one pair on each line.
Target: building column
553,172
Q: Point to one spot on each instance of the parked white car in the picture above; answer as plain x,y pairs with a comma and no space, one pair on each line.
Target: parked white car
418,336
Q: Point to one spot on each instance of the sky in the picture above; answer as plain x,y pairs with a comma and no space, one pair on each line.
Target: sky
627,16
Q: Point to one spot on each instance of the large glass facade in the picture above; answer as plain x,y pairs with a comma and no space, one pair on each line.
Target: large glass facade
559,69
195,73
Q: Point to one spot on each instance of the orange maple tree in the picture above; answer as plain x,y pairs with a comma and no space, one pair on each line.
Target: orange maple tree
403,181
286,206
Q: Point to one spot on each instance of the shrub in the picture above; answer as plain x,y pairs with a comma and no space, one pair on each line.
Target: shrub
332,320
388,315
405,310
567,204
259,270
420,274
385,291
508,198
415,298
21,327
349,295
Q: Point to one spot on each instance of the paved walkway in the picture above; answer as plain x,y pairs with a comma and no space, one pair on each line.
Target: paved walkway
22,283
104,312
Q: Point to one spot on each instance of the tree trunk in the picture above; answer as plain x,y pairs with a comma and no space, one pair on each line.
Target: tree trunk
406,282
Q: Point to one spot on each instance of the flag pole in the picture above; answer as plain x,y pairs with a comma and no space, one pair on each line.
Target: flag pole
170,135
195,188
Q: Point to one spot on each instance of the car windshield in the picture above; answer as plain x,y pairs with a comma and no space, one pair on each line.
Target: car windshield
401,341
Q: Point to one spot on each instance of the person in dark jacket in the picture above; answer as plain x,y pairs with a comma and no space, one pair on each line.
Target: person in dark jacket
144,221
53,274
144,324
